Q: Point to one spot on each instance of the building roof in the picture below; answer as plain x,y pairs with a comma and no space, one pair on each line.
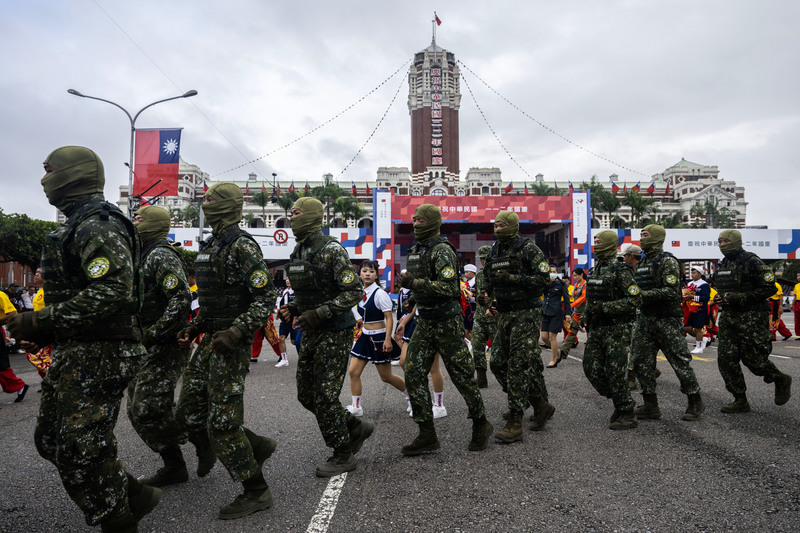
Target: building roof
683,163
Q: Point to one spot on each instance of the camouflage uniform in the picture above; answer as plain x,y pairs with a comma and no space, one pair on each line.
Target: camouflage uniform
483,327
165,311
90,266
516,356
746,283
323,279
235,291
659,323
612,299
439,329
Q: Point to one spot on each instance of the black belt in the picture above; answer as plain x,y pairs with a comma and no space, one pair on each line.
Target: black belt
442,312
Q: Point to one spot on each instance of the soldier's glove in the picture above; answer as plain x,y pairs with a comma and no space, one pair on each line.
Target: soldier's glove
504,278
37,327
226,340
408,281
288,311
483,299
596,309
310,319
190,333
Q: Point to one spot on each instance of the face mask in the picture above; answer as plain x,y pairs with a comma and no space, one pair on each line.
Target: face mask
553,276
429,229
656,238
77,173
608,244
511,220
154,224
310,221
226,209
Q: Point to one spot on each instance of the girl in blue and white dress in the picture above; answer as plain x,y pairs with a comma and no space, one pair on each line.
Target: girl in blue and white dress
375,344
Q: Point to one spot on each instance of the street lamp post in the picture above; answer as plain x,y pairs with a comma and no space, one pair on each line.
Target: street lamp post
132,120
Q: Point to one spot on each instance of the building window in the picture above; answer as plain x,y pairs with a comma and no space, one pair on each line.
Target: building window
438,192
485,191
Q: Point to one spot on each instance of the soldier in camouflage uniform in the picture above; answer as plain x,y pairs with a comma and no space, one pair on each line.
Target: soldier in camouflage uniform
613,297
659,326
516,273
237,295
483,327
165,311
431,274
325,288
90,267
744,283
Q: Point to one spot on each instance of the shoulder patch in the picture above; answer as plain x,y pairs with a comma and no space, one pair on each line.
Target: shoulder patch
170,281
98,267
769,276
448,272
633,290
544,267
259,279
671,279
347,277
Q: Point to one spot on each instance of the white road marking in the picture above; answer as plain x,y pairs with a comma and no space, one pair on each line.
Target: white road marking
779,356
327,505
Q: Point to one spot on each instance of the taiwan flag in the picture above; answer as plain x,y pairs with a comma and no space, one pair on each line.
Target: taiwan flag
437,19
157,156
205,186
247,189
614,187
368,191
354,188
526,188
637,187
651,189
509,187
291,187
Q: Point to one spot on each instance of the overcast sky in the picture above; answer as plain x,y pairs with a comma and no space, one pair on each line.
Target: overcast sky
642,83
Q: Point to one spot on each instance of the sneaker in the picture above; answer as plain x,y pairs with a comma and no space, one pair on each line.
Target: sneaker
246,504
254,359
409,410
355,411
698,349
282,362
21,394
439,412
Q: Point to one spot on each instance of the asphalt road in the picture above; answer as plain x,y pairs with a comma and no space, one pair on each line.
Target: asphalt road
722,473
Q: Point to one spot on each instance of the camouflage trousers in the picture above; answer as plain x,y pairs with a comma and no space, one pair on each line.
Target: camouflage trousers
651,334
516,359
81,396
321,367
152,393
744,337
482,330
572,334
605,359
445,337
211,405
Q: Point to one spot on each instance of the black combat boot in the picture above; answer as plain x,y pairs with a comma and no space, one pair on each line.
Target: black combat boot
340,462
695,408
426,441
512,432
263,447
205,455
649,410
120,524
626,420
738,405
256,497
141,498
173,471
783,389
542,412
481,431
360,430
480,374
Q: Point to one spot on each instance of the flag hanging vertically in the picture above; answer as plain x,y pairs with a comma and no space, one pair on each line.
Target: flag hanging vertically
509,187
246,189
354,188
263,189
526,188
205,186
291,187
666,191
368,191
571,188
637,187
652,188
277,188
156,158
624,186
555,187
614,187
438,20
306,188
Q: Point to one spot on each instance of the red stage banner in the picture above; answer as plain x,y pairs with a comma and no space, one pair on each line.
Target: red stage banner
484,209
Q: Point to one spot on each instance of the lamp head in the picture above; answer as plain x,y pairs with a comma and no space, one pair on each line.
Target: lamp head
76,93
187,94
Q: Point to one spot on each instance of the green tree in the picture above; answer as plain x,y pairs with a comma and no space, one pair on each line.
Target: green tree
595,189
262,198
674,220
540,188
348,207
713,216
640,206
608,203
187,260
22,238
286,201
327,194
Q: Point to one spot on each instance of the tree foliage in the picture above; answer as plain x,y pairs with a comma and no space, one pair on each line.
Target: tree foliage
713,216
640,206
22,238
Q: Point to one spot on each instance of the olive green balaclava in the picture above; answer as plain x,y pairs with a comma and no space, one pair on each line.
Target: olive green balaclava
736,241
607,248
433,222
154,225
511,220
483,251
77,172
226,209
303,226
655,241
